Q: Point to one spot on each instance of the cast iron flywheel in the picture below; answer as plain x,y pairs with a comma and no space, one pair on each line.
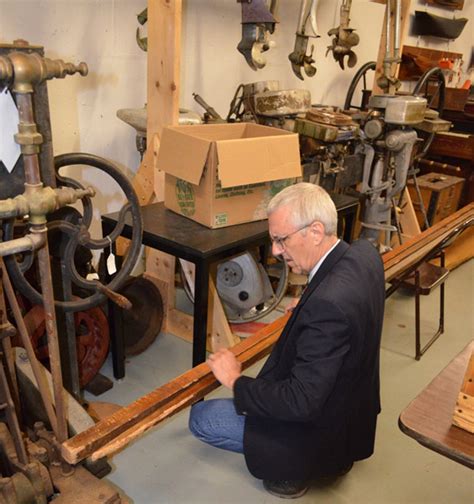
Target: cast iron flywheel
92,339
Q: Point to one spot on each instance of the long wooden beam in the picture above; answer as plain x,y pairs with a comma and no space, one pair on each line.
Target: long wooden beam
118,429
403,257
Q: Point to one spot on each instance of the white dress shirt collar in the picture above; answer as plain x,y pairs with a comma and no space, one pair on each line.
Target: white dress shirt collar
318,264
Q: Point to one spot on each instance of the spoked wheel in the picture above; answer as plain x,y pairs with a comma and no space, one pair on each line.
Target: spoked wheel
78,236
354,87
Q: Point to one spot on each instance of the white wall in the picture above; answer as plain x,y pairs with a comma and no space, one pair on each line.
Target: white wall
102,33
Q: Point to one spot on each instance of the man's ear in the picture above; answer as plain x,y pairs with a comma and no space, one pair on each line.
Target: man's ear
317,230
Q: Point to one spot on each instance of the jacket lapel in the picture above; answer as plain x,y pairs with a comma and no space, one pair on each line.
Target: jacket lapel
341,248
329,263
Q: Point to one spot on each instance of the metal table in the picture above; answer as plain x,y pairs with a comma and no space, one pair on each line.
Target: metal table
181,237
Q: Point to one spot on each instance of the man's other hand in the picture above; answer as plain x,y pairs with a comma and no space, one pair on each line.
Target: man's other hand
225,366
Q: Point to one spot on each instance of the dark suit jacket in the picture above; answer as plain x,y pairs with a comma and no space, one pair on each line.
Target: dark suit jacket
313,407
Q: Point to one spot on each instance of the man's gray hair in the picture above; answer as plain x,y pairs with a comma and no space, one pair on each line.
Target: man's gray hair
309,203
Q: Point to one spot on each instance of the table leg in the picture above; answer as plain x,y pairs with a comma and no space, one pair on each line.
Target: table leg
117,345
349,216
201,301
116,340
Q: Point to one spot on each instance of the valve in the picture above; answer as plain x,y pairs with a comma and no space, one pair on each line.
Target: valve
21,71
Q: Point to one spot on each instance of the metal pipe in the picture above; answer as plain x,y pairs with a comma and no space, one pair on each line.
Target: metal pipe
24,102
387,29
29,242
7,331
12,418
53,343
25,339
28,142
396,48
302,16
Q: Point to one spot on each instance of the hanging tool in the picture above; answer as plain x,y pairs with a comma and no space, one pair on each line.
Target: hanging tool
344,38
298,57
389,81
258,22
142,41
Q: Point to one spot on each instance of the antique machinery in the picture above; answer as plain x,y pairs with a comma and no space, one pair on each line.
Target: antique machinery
307,28
396,133
389,138
258,23
38,208
388,81
344,38
23,71
330,152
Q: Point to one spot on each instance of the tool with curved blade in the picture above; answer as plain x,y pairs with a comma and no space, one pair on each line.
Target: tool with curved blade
344,38
299,57
258,22
142,41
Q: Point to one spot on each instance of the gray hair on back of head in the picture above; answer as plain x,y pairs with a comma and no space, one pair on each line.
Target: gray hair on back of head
309,203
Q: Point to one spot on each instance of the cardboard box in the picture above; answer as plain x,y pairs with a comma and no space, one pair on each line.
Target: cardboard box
225,174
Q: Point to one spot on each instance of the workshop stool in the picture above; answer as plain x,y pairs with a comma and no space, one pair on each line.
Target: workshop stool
423,277
423,280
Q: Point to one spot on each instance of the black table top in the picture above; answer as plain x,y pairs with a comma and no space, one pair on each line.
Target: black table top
172,233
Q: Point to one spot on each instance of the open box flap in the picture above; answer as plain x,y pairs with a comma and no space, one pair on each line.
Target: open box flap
182,155
259,159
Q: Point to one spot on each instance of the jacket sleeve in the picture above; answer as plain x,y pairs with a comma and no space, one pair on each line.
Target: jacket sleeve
322,342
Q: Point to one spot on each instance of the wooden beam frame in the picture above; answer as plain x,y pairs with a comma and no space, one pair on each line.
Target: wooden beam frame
401,258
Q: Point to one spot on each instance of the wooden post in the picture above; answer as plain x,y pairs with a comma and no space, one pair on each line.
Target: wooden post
163,82
163,77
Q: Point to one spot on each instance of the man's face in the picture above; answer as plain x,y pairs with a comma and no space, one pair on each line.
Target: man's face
298,246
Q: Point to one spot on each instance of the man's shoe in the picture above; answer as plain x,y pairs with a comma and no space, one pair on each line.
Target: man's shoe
336,474
286,489
344,470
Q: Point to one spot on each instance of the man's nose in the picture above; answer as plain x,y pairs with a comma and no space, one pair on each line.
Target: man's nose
277,249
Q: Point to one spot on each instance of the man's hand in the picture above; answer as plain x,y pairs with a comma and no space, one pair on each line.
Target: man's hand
225,366
292,305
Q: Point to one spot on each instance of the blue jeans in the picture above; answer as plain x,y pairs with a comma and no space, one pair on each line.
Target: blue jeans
217,423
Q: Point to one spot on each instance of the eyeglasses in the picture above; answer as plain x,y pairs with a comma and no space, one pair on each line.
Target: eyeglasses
282,240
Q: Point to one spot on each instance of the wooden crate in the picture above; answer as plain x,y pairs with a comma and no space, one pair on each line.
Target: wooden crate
440,195
464,411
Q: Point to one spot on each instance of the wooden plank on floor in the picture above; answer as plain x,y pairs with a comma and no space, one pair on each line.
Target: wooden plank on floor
128,423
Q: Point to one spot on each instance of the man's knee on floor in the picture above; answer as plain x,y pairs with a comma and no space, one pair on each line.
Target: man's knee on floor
195,420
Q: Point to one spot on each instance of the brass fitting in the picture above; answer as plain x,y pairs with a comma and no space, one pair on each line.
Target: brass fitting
29,138
68,195
29,242
38,201
6,72
28,69
41,200
13,207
